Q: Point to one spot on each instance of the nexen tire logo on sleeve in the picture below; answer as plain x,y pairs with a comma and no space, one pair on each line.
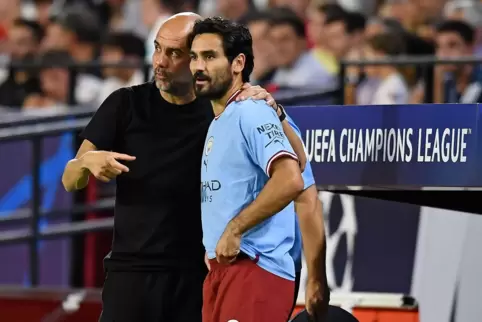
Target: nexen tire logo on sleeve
273,132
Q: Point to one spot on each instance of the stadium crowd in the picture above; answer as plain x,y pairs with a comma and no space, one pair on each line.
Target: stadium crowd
298,45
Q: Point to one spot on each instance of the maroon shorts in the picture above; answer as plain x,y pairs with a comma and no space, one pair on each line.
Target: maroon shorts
244,292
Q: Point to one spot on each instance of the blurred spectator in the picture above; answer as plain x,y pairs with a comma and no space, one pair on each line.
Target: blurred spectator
263,48
54,81
465,10
296,67
430,9
79,33
403,11
343,36
38,10
414,46
9,11
120,15
461,83
23,43
117,14
300,7
121,47
392,9
154,13
358,25
469,12
426,31
343,32
378,25
75,31
317,18
392,88
234,9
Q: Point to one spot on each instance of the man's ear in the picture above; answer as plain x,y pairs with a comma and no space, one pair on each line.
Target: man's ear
238,63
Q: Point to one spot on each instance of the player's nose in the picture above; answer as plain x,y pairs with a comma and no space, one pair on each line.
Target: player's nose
198,65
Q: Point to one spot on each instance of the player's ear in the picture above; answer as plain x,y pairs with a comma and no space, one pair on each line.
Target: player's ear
238,63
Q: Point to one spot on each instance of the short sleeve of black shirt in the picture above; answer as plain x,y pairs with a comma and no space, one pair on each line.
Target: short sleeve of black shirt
106,124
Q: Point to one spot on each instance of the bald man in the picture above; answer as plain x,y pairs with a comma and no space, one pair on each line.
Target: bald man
150,139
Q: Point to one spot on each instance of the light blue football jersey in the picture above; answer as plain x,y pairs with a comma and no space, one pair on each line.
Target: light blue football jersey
240,147
309,180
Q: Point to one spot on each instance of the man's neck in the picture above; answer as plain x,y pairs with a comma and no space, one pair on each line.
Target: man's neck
179,100
219,105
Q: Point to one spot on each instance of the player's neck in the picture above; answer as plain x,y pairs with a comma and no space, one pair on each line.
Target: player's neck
179,100
220,105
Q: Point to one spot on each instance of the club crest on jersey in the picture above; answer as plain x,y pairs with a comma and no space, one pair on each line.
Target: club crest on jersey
209,145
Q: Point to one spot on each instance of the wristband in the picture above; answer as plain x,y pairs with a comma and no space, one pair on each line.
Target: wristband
282,117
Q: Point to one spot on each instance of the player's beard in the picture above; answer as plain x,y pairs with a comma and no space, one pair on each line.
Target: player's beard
214,88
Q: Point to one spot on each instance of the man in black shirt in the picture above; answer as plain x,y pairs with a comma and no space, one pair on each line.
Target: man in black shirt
157,130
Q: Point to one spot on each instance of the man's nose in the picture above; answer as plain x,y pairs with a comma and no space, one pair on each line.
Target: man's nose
161,60
200,65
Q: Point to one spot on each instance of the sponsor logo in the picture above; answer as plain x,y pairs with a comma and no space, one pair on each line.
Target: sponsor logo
208,188
273,132
209,145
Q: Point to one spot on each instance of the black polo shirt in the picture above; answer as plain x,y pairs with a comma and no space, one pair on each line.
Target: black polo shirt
157,220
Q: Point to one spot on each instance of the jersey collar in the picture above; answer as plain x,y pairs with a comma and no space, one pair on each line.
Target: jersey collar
229,101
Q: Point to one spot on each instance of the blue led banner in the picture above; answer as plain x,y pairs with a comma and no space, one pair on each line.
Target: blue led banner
409,145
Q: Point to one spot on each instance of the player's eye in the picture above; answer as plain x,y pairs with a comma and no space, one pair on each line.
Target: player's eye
209,57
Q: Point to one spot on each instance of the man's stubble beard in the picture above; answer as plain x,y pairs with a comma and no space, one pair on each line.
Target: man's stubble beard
178,89
217,91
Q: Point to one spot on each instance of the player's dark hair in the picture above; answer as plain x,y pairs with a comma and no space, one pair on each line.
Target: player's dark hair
36,29
236,40
286,16
464,30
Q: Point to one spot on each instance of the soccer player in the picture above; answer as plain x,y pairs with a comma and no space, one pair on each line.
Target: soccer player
310,236
249,174
150,139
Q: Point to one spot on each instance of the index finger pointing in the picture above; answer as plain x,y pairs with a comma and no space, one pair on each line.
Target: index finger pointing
122,156
119,166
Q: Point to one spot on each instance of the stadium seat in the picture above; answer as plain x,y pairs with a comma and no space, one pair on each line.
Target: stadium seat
334,314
